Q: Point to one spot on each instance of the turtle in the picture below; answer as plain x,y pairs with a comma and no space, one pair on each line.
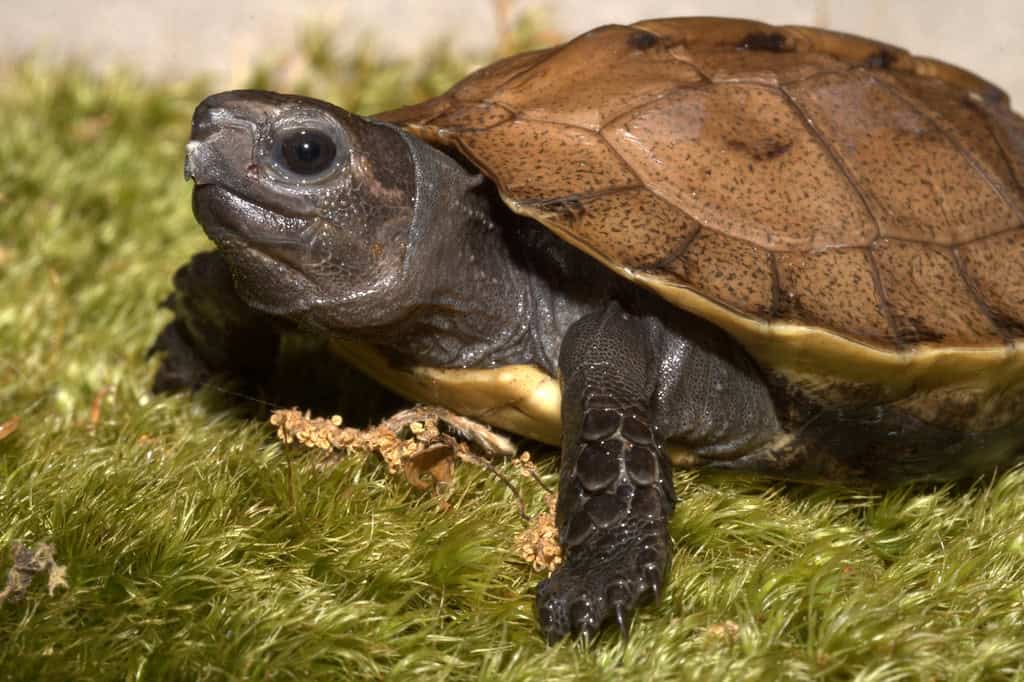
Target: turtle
699,242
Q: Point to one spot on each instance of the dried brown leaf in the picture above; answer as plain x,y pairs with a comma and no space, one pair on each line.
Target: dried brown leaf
538,544
28,562
10,426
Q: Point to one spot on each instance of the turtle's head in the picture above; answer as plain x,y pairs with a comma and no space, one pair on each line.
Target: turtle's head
312,206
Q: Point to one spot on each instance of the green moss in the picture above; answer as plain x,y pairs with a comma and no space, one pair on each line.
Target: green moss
195,551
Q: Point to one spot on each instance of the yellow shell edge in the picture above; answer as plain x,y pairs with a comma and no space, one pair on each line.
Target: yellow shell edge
520,398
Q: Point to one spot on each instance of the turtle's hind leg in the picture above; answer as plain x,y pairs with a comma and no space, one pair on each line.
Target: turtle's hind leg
615,494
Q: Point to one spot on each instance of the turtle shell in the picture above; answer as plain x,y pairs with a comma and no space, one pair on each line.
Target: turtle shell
843,208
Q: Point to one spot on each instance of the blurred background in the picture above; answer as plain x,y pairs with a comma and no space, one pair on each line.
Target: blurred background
225,38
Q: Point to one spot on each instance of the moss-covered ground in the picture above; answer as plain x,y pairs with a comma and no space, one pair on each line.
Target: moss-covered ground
197,547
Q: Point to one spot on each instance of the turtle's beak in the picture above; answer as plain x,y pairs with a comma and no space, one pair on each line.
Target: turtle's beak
205,161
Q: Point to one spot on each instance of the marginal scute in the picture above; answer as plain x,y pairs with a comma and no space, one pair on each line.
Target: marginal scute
883,59
731,271
853,49
987,263
928,298
642,40
472,89
927,67
834,289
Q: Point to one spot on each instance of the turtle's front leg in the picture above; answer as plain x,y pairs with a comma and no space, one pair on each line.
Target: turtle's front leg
213,332
615,494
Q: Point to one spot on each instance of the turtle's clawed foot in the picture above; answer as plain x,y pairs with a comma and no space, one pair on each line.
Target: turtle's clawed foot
619,569
615,492
213,331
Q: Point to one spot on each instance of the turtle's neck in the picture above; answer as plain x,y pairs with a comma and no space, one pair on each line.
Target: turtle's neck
485,287
466,301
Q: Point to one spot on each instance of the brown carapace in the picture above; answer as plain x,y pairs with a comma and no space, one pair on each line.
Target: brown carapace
838,205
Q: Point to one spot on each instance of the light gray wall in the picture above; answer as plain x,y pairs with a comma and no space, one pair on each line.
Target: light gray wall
222,37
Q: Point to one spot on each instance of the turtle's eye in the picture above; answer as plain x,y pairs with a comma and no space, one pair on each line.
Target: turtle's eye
306,152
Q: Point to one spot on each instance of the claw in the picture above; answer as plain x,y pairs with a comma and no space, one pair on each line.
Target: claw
623,621
586,636
656,591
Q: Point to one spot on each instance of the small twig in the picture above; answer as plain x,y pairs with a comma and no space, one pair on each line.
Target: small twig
96,410
532,473
246,397
10,426
484,463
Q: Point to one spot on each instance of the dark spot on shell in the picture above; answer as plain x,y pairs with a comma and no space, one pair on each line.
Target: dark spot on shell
991,95
762,150
995,96
914,330
883,59
565,209
642,40
1012,326
765,42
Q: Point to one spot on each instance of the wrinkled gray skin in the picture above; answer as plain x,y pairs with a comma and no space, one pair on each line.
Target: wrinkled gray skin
394,243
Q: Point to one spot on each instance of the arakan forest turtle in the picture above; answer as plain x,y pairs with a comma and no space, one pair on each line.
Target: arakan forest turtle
707,242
